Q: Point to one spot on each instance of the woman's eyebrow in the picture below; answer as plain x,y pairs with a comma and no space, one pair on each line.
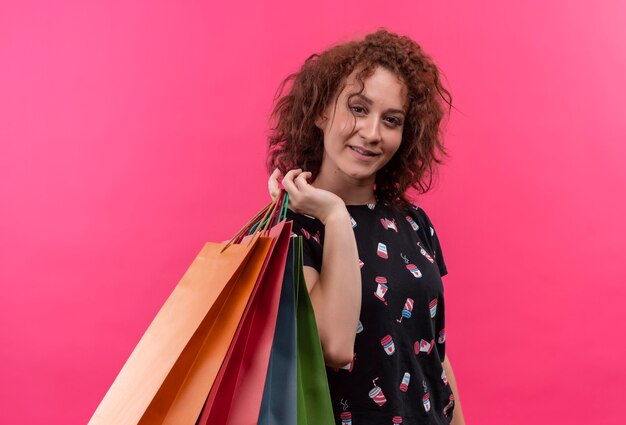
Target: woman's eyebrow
370,102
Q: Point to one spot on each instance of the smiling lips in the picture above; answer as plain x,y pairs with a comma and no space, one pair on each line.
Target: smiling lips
363,152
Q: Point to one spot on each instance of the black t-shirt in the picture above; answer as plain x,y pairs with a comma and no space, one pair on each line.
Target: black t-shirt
396,376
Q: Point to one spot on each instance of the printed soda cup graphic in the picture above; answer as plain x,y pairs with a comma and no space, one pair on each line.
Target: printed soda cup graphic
388,224
396,420
382,250
412,223
346,418
442,336
406,311
433,307
404,385
426,400
423,346
316,237
388,345
359,327
381,288
444,378
414,270
449,405
361,264
306,234
425,254
350,365
352,221
377,395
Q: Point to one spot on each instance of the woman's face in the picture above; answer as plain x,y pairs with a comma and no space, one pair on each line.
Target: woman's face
379,112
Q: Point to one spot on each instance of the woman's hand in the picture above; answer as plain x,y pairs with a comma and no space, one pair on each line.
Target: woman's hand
306,199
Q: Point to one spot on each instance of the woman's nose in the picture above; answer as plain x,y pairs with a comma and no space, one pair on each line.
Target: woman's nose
370,129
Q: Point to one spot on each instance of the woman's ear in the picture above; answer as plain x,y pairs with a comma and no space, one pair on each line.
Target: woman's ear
320,122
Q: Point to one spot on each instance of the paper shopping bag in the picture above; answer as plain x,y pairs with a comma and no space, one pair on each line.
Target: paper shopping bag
235,397
279,404
313,394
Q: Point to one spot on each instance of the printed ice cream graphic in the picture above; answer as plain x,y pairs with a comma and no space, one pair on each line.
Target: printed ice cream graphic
449,405
407,310
389,224
404,385
411,267
353,222
444,378
423,346
412,223
396,420
381,288
426,398
345,416
433,307
425,254
377,395
382,250
359,327
387,343
442,336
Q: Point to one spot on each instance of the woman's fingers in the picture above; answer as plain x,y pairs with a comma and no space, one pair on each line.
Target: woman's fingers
301,181
272,184
288,182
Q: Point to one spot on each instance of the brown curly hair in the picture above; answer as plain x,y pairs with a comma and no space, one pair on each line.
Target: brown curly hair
296,142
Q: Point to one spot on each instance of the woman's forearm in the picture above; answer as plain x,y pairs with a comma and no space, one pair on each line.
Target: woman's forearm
457,416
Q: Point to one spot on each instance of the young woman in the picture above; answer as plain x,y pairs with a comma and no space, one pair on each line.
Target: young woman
358,127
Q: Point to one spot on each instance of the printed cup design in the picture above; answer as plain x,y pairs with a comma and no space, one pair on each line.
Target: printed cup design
359,327
414,270
382,251
353,222
305,233
444,378
404,385
346,418
377,395
407,310
449,405
316,237
396,420
388,345
412,223
442,336
423,346
361,264
389,224
433,307
381,288
425,254
426,401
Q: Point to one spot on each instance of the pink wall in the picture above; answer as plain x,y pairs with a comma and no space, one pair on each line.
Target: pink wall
132,132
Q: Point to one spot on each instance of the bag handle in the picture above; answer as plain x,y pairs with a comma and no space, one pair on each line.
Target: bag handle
269,216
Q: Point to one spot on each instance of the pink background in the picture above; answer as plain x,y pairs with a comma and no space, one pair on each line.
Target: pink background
132,132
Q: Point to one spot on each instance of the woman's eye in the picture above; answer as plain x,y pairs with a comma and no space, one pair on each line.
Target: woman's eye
358,109
395,121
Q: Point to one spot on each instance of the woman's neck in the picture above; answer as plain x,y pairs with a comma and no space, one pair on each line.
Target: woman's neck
352,191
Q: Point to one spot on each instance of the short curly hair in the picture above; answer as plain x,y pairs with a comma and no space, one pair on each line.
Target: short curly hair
296,142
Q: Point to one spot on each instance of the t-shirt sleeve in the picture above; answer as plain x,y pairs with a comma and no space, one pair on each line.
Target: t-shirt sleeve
433,240
312,232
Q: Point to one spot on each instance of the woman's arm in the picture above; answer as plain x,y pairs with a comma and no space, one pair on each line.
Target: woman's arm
457,416
336,291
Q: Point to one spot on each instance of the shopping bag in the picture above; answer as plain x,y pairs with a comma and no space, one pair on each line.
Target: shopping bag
235,397
313,394
279,404
172,338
